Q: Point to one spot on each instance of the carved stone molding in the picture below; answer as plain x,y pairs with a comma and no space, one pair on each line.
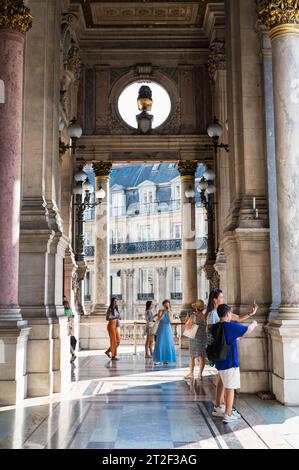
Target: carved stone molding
217,60
71,65
187,168
278,12
102,168
162,272
15,16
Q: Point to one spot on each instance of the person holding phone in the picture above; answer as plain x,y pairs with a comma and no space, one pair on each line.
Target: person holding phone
164,347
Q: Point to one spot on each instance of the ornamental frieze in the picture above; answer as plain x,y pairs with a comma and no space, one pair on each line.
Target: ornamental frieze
15,16
279,12
216,57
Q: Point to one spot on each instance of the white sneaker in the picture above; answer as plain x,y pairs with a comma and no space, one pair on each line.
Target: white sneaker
235,412
231,419
219,411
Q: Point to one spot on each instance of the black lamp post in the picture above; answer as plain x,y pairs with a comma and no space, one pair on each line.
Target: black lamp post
215,131
83,185
74,131
207,190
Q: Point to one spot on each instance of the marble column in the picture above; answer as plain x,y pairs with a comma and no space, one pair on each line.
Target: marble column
283,22
15,21
43,241
246,239
187,170
266,51
93,327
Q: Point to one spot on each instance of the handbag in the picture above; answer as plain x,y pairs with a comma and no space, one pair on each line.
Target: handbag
155,327
191,332
190,328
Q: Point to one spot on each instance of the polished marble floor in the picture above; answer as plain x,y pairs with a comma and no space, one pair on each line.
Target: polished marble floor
133,404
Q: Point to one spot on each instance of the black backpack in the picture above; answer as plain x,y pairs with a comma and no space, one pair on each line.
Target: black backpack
217,348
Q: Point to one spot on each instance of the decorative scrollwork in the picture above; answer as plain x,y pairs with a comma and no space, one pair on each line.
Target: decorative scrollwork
279,12
216,57
187,167
15,15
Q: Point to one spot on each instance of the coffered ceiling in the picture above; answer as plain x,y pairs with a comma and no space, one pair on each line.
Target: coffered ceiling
143,13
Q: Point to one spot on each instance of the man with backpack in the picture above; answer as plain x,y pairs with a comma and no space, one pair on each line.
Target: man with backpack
222,349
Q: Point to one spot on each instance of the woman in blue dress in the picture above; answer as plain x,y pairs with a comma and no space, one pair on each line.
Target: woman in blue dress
164,347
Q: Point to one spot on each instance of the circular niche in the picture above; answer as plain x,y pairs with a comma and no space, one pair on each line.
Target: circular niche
128,108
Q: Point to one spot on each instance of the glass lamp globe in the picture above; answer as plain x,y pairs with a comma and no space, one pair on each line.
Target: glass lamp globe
88,186
215,129
209,175
80,176
61,124
78,189
211,189
190,193
100,193
202,186
74,130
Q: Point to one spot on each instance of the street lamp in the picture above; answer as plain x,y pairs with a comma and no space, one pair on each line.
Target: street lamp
215,131
190,193
74,132
207,189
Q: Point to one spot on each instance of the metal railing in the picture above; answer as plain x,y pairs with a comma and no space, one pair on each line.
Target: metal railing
176,295
89,250
154,246
142,296
146,247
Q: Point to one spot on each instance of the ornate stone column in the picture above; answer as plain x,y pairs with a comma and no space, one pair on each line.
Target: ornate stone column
282,17
15,20
43,240
187,171
93,333
246,239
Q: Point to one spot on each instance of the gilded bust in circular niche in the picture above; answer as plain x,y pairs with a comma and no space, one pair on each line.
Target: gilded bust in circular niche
128,103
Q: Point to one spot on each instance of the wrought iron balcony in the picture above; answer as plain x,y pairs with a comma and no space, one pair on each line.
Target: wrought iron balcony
145,247
117,296
150,296
176,295
89,250
156,246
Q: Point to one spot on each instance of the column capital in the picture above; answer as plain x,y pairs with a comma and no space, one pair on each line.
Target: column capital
274,13
102,169
187,167
217,59
15,16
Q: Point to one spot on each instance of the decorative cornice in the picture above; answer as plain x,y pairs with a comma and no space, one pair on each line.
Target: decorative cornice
217,59
102,169
278,12
15,16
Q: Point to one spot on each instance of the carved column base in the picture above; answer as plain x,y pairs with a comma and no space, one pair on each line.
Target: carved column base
13,355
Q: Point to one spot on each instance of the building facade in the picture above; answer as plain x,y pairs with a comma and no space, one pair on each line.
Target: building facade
146,238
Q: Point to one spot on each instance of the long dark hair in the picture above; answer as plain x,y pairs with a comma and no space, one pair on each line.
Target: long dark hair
148,304
111,304
214,294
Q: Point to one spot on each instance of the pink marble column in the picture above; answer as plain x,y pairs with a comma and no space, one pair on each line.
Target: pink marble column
11,74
